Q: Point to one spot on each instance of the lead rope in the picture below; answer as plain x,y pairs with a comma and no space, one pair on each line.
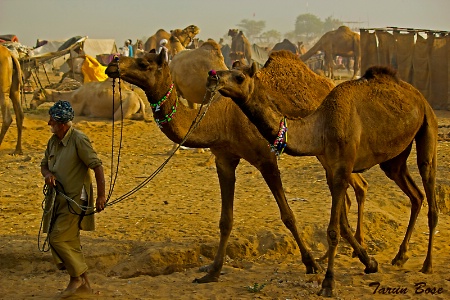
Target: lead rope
112,182
48,205
84,208
194,124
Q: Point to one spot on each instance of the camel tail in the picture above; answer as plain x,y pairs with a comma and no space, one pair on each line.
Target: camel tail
18,70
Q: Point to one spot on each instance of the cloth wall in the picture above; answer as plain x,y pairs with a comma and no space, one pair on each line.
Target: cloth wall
369,51
420,58
439,74
421,66
405,51
386,49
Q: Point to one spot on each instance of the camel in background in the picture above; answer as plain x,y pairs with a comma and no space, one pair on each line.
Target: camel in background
94,99
240,46
229,135
10,84
342,42
185,36
287,45
361,123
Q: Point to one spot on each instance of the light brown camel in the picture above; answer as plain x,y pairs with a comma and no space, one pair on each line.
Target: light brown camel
288,75
361,123
175,46
196,63
94,99
239,45
342,42
229,135
185,36
10,84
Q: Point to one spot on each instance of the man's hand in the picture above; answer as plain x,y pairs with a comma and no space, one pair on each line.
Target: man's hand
50,179
100,203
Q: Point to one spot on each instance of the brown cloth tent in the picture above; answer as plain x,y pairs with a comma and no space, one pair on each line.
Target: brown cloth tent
420,56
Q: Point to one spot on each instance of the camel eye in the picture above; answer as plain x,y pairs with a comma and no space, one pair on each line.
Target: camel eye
240,78
142,64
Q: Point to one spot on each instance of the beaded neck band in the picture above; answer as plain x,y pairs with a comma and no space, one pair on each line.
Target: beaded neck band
167,118
156,106
281,139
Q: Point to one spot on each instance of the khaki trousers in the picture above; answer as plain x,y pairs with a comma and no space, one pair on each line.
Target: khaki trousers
65,240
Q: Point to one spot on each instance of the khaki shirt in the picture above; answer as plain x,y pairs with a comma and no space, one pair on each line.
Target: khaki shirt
69,160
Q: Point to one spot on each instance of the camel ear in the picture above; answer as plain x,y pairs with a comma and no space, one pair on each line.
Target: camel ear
161,57
253,69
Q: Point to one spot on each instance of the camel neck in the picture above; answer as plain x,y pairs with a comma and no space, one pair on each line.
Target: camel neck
156,106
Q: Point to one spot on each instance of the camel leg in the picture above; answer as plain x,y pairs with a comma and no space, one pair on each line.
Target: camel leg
6,116
360,186
426,160
271,175
338,186
396,169
15,99
226,170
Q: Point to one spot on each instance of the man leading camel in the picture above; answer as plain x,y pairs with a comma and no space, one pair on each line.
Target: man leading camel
65,167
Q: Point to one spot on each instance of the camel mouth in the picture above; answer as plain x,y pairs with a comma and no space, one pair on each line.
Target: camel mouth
112,71
213,81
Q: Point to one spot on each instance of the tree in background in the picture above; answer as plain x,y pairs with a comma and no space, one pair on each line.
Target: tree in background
271,36
308,26
331,24
251,28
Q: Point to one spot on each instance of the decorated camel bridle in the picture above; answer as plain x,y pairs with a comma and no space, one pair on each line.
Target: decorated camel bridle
280,142
156,107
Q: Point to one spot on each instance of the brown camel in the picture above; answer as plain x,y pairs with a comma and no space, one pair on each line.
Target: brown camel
229,135
10,84
288,75
342,42
240,46
285,45
185,36
360,124
230,139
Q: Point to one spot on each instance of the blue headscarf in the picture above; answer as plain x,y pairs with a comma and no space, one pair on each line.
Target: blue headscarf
62,111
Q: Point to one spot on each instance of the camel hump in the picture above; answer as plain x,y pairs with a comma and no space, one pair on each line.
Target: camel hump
375,71
210,45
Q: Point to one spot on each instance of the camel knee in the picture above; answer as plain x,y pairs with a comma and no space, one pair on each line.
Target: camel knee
333,237
225,227
289,221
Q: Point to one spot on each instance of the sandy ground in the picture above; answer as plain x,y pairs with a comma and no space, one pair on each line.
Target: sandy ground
151,245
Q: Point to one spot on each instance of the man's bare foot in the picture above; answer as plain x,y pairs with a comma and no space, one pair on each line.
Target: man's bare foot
84,289
74,284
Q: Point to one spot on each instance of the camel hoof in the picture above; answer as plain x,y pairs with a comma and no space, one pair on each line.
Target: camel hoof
205,279
400,259
427,268
205,268
326,292
372,267
313,268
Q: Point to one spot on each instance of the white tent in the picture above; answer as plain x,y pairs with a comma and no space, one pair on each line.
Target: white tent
94,47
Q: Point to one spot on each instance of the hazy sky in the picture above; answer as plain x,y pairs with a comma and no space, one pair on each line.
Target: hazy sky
120,20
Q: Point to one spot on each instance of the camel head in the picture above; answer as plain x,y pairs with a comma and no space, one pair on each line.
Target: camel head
232,32
192,30
39,96
237,83
145,72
